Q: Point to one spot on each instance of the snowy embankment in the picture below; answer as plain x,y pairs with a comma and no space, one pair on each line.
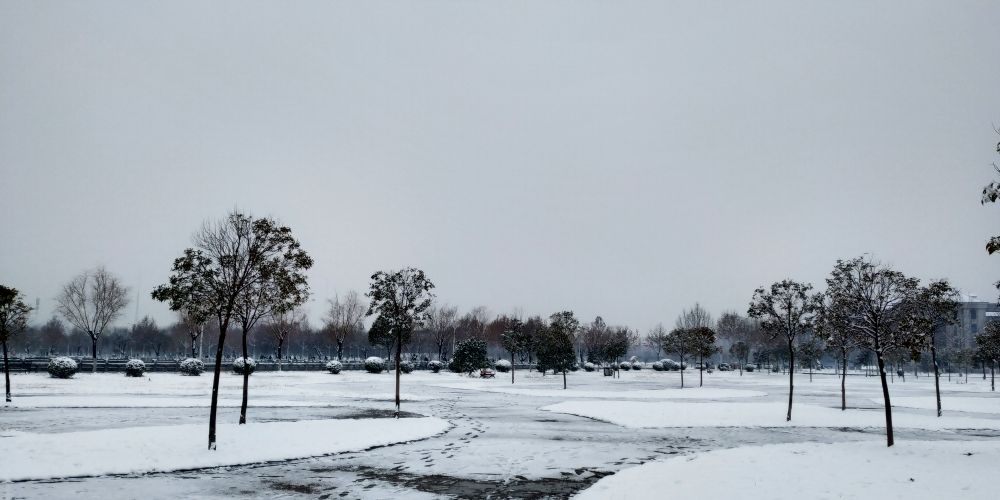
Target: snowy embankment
182,447
639,414
692,393
908,470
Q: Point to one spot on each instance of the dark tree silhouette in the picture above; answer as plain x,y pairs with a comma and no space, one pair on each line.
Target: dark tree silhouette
13,320
786,310
231,258
401,299
876,298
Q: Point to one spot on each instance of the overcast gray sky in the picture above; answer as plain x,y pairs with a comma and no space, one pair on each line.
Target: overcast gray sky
618,158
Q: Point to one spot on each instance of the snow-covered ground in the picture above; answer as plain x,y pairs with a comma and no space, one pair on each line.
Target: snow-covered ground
500,441
910,470
181,447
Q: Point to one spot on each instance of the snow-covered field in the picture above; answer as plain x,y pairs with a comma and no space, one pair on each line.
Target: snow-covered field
477,438
909,470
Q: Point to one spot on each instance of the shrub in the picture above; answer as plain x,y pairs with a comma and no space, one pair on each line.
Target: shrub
435,366
670,365
575,367
636,365
588,366
62,367
502,365
135,368
191,366
625,365
405,366
240,365
334,367
658,366
470,355
374,364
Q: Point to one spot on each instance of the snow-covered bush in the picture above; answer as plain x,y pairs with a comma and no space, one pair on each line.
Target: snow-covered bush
62,367
625,365
657,366
240,365
502,365
405,366
636,365
575,367
670,365
135,368
435,366
334,367
191,366
374,364
588,366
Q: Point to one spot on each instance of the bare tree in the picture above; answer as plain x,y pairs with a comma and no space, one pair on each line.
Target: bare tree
695,317
91,301
654,338
282,324
345,319
441,323
786,310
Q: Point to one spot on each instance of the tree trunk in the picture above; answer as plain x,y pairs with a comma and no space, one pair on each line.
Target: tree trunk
280,343
843,381
701,373
340,350
512,367
791,375
399,353
564,378
215,385
885,397
993,378
681,355
93,345
246,381
6,369
937,377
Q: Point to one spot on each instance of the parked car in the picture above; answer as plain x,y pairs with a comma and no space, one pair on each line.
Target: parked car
724,367
749,367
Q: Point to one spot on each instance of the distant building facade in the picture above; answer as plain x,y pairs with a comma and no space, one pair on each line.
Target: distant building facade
973,314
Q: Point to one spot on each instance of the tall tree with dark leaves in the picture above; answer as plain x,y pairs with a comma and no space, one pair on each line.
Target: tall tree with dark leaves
876,298
988,348
936,306
280,286
786,310
833,326
231,258
679,341
401,298
91,301
512,339
13,320
702,344
556,350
